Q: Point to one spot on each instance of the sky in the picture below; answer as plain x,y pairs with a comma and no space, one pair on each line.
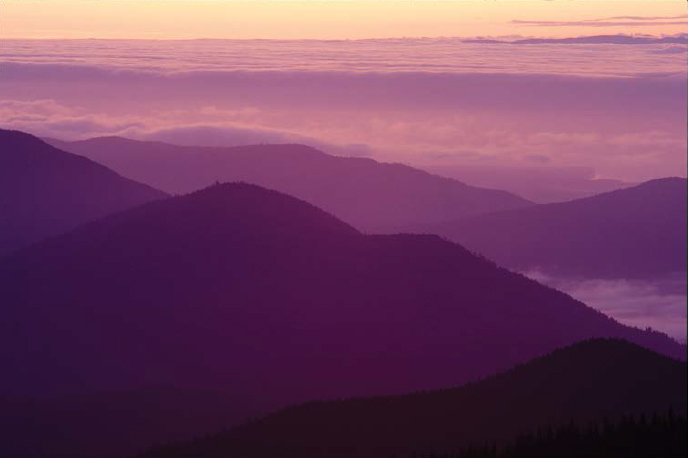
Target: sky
335,19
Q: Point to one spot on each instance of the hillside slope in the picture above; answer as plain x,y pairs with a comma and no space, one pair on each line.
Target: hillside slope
591,381
371,195
45,191
636,232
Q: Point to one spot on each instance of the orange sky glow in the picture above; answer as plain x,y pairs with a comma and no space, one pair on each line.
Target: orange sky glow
336,19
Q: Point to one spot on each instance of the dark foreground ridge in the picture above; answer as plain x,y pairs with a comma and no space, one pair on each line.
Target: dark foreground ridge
633,436
598,381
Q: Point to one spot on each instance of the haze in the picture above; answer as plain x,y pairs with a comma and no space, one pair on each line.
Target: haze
345,19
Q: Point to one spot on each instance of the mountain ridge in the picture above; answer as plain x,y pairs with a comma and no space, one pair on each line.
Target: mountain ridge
594,380
636,232
371,195
46,191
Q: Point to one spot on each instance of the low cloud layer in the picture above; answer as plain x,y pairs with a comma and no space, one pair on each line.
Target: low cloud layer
49,119
659,304
431,55
640,18
670,50
437,102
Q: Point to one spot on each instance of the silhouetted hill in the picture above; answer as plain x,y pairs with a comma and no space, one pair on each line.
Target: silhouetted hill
45,191
272,300
543,185
659,434
115,423
633,232
632,436
371,195
589,381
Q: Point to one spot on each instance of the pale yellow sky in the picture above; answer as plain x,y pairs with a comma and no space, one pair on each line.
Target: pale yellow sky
333,19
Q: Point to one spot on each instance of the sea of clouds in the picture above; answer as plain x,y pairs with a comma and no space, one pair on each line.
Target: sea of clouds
619,109
657,303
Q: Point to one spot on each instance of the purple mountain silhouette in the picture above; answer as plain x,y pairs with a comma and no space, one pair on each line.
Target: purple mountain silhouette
46,191
372,196
542,185
587,382
116,423
270,299
633,232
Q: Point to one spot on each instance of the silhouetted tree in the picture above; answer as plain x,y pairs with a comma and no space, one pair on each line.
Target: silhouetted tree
630,437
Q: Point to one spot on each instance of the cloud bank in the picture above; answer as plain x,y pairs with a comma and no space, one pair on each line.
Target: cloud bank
613,21
659,304
597,23
621,110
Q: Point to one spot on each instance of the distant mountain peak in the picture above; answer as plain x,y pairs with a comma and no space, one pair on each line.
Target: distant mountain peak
247,200
667,181
635,232
373,196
